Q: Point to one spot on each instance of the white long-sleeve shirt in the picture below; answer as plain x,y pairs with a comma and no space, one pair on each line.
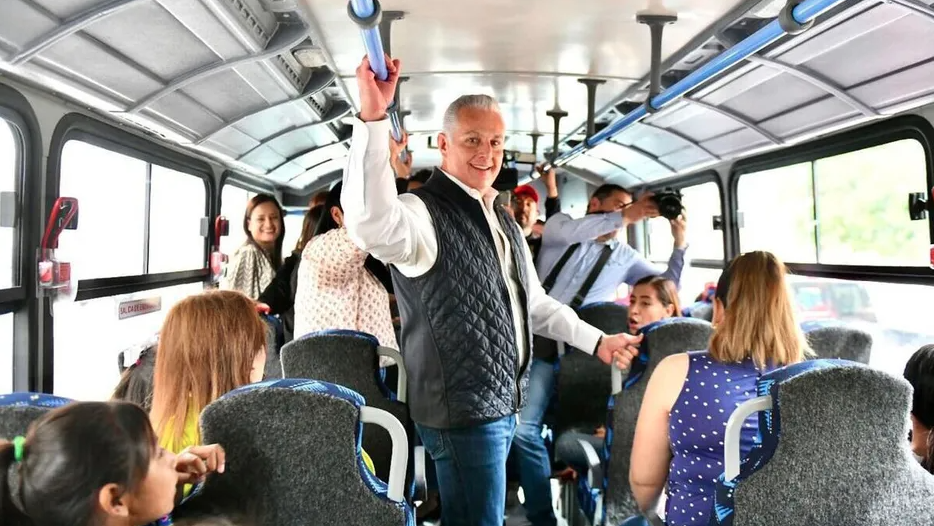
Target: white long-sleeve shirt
398,230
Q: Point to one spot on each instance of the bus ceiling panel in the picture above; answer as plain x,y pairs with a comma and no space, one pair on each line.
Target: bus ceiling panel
809,117
771,96
287,144
602,168
685,159
733,143
325,169
657,140
877,53
908,88
696,122
311,157
634,159
586,36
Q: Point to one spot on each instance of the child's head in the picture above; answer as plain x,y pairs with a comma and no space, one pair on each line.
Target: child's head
210,344
136,381
653,298
86,463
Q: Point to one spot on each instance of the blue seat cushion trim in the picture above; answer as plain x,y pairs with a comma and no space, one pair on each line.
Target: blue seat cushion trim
639,366
279,328
769,434
27,399
342,332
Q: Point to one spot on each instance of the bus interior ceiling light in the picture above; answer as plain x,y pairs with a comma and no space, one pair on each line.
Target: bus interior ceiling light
796,17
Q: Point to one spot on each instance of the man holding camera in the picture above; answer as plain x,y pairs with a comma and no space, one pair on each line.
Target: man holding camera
582,261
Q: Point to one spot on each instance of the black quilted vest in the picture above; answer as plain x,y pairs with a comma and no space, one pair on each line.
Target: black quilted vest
458,336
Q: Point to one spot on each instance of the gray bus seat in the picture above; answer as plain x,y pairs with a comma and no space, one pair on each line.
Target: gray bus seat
604,494
294,458
19,410
351,359
583,382
833,451
833,339
703,311
275,339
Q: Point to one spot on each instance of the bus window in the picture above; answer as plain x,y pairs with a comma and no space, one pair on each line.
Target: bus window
178,200
862,210
233,204
86,359
849,209
6,353
893,314
9,173
701,204
777,208
111,192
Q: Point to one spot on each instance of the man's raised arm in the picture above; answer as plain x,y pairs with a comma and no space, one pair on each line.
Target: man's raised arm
394,230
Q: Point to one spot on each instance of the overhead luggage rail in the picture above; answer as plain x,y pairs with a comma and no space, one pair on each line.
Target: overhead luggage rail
795,18
367,14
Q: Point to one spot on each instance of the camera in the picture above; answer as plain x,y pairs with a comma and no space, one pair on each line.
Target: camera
668,202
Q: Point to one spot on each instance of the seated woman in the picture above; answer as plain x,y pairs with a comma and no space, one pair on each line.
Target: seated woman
689,398
653,298
919,371
93,463
340,286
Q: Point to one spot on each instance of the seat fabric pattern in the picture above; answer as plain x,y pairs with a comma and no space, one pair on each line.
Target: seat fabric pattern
833,450
293,458
19,410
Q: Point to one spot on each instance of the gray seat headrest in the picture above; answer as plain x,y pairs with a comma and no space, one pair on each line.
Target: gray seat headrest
292,458
583,383
662,339
840,341
19,410
841,454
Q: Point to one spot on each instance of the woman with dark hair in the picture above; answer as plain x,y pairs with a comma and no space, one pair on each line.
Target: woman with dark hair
279,296
339,285
91,463
253,266
919,371
136,380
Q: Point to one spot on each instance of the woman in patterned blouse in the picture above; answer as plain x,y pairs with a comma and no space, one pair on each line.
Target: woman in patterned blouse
253,266
339,285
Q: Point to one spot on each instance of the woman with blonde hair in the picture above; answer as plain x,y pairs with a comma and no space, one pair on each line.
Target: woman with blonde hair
210,344
679,435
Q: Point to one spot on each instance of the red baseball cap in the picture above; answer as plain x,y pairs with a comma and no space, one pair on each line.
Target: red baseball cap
526,191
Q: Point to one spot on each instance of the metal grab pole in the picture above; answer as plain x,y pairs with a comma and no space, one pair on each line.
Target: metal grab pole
791,22
367,15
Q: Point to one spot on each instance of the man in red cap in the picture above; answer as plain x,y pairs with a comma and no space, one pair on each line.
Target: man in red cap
526,208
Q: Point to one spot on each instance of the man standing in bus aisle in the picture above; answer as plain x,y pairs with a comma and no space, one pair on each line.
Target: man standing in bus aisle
467,292
526,207
573,250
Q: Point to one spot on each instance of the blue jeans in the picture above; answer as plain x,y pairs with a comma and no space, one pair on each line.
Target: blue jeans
471,467
534,464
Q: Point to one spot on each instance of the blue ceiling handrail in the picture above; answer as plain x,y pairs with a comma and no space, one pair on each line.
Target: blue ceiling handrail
802,14
367,14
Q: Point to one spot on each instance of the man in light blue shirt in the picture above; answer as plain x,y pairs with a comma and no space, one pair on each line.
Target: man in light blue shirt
571,249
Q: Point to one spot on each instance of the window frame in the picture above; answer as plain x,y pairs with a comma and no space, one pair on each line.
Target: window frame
79,127
704,177
20,302
877,134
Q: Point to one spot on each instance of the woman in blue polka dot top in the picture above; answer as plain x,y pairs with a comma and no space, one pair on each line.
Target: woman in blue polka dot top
690,396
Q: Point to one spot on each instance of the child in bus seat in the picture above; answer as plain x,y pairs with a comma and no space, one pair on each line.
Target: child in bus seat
653,298
91,463
210,344
136,379
689,398
919,371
